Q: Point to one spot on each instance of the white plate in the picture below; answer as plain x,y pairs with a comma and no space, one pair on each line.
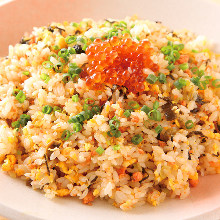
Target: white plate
20,202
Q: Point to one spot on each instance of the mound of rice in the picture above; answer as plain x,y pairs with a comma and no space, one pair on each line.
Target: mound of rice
134,147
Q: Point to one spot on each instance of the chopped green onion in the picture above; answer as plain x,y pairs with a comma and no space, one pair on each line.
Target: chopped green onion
127,113
189,124
70,39
73,119
82,40
114,123
184,66
175,55
170,67
151,79
45,77
99,150
116,147
180,83
195,51
66,135
162,78
75,98
26,73
114,133
74,24
138,38
47,65
158,129
154,115
15,124
66,77
216,83
195,80
146,109
58,67
22,122
137,139
20,96
24,119
15,92
57,109
178,47
71,50
95,109
156,105
87,101
47,109
133,105
56,47
77,127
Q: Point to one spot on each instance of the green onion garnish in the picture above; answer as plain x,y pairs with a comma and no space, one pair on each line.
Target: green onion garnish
66,77
77,127
66,135
45,77
216,83
71,50
158,129
184,66
114,123
151,79
26,73
57,109
99,150
137,139
114,133
74,24
75,98
133,105
47,65
56,47
170,67
180,83
58,67
156,105
154,115
70,39
195,51
127,113
47,109
20,96
15,92
116,147
146,109
162,78
189,124
22,122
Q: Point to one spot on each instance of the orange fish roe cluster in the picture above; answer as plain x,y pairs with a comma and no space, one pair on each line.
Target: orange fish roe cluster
120,62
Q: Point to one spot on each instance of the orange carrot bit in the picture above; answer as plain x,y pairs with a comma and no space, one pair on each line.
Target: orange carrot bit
138,176
184,58
183,102
93,153
162,143
188,72
88,199
214,164
121,171
140,151
193,182
122,129
135,119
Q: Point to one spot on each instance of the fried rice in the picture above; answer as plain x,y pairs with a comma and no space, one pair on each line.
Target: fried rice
133,142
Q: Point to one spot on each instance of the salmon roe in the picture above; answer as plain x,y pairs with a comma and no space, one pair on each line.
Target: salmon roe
120,62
